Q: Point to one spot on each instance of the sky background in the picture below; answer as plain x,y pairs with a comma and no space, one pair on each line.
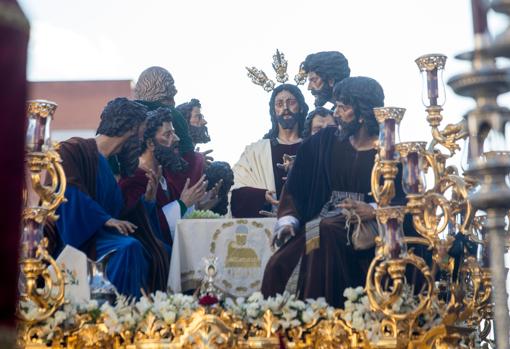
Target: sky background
207,44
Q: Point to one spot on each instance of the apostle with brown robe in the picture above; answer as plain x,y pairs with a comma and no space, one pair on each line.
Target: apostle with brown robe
331,172
94,218
258,177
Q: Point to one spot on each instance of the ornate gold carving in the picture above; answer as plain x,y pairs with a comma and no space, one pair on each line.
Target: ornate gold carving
431,61
41,108
301,76
385,113
203,330
48,298
280,64
388,170
258,77
404,148
385,213
451,134
52,195
280,67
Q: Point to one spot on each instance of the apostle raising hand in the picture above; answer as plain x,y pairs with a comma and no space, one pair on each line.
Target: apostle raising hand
152,184
190,195
160,155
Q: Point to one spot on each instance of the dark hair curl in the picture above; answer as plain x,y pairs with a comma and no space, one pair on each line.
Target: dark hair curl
321,111
186,108
363,94
155,120
329,65
214,172
120,116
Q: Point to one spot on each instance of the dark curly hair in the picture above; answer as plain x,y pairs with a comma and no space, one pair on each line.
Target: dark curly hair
120,116
307,131
186,108
155,120
303,109
329,65
363,95
214,172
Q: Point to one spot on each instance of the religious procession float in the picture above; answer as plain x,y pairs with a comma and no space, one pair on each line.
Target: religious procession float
455,299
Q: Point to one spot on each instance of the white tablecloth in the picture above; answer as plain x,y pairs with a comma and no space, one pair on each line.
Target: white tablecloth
242,246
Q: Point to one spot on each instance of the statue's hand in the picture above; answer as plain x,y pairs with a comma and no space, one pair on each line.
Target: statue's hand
283,234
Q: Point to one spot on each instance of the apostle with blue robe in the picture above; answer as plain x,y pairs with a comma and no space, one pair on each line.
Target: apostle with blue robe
90,220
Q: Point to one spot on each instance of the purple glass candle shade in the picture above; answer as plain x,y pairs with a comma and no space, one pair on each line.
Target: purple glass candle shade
387,139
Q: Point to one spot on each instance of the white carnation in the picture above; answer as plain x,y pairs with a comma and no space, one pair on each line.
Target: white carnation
92,305
256,297
143,305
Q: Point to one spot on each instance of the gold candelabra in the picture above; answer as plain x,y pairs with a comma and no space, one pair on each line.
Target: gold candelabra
42,288
454,283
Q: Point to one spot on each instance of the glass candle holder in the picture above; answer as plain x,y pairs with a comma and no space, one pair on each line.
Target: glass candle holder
31,237
389,119
431,67
391,219
38,136
413,167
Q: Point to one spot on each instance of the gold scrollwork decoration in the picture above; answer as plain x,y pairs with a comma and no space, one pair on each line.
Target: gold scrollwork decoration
52,195
48,298
388,170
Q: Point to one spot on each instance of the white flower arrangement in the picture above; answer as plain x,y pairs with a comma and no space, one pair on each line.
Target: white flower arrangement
357,312
120,318
166,307
288,311
159,311
64,319
362,318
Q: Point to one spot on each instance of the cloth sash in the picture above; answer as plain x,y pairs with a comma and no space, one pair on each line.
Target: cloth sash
312,228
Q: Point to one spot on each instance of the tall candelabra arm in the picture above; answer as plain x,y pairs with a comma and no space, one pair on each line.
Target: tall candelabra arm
47,299
381,270
429,338
426,221
387,169
449,136
51,192
58,181
436,161
459,202
481,290
397,276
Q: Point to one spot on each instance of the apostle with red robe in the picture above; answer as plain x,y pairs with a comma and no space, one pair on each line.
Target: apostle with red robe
159,154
